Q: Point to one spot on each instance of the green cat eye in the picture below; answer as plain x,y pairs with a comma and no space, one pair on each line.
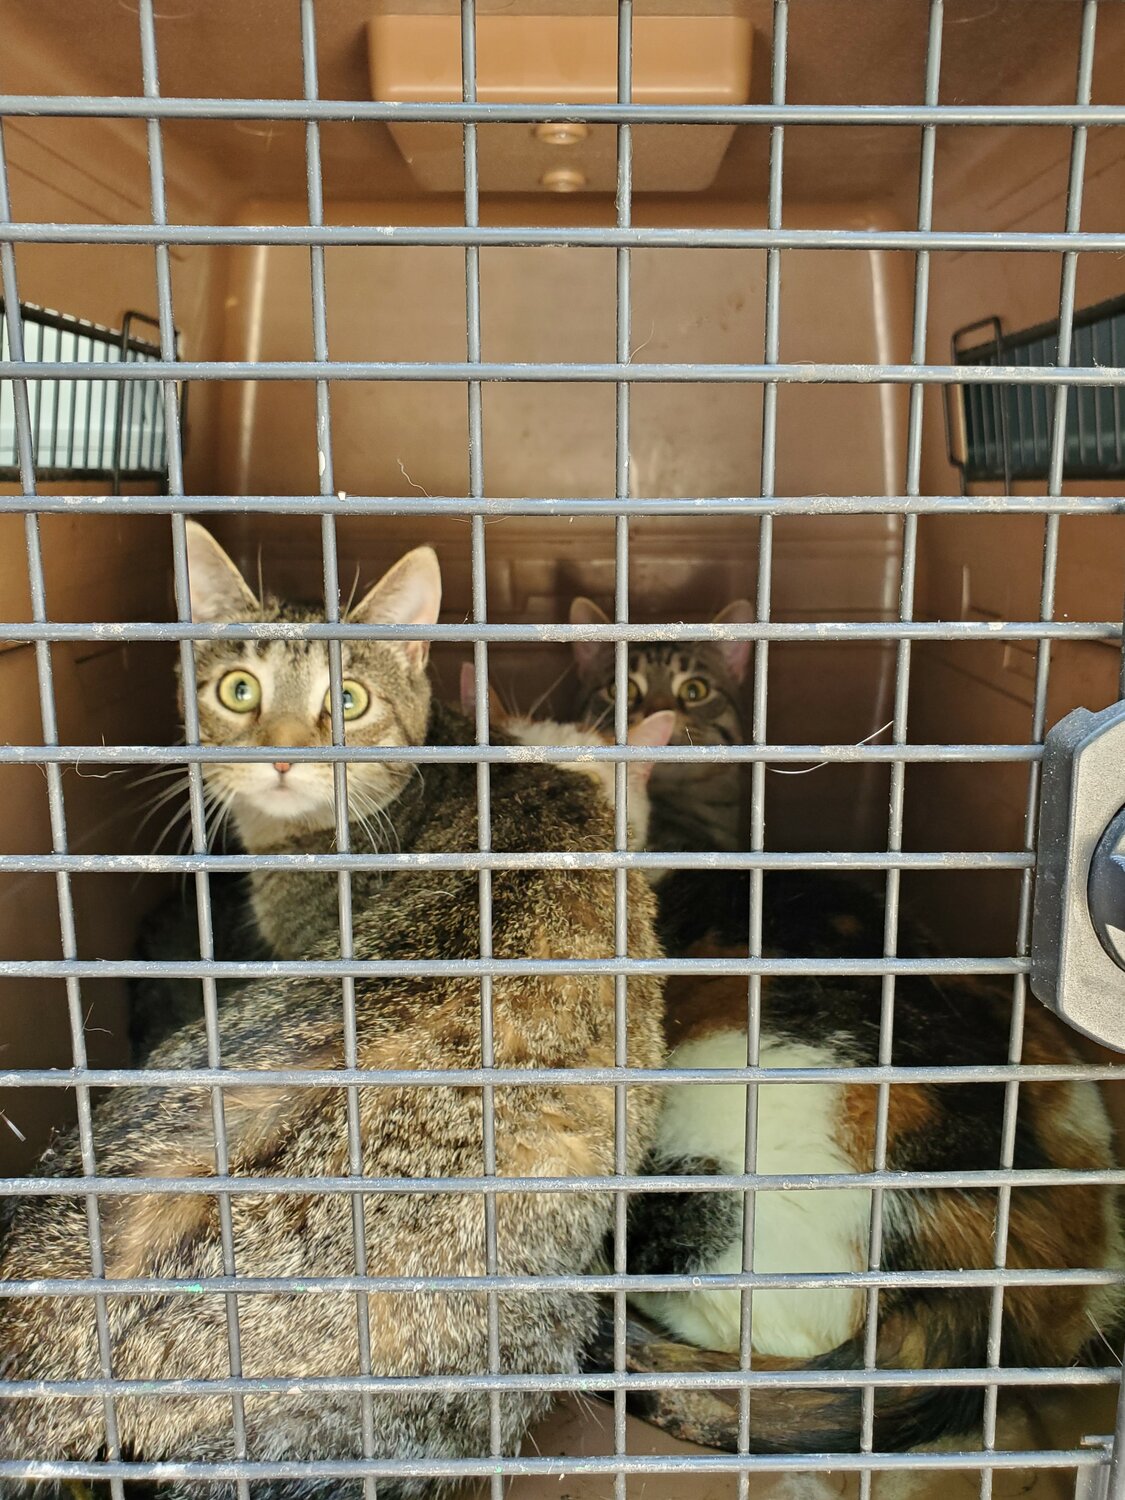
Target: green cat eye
240,691
356,699
634,692
694,690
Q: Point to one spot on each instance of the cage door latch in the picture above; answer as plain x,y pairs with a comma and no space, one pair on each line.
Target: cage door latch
1078,933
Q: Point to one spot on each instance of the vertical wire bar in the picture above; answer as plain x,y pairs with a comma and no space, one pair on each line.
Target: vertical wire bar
100,393
148,428
79,353
37,392
1115,1487
151,84
480,666
57,810
624,310
5,354
899,726
1068,281
331,582
771,355
54,395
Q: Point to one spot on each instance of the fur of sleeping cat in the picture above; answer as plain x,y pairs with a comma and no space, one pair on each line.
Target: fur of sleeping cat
809,1024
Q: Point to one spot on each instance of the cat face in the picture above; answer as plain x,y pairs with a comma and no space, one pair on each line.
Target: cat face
698,681
655,730
276,693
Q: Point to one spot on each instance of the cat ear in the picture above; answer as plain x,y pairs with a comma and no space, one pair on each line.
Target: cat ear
468,688
407,594
218,590
735,654
590,657
655,730
497,713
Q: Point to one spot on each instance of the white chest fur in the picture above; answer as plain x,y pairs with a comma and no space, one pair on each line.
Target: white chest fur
794,1230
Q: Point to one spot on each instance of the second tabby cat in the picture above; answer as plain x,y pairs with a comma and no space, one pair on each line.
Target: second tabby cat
693,806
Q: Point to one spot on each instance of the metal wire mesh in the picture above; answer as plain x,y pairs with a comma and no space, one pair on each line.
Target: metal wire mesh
156,377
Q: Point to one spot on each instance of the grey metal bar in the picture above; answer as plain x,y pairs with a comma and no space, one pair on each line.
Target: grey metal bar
491,505
816,630
167,324
899,724
180,1078
579,237
623,309
1051,533
719,1182
331,585
26,442
688,1380
470,968
499,754
469,1468
49,864
124,106
141,1286
144,1286
1115,1486
810,372
771,350
479,583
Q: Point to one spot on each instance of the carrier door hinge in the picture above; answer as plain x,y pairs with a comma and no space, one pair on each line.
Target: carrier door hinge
1078,933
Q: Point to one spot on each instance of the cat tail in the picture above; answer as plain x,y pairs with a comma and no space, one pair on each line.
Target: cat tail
789,1419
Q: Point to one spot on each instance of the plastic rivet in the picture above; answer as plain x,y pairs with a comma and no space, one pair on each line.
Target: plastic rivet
561,132
563,180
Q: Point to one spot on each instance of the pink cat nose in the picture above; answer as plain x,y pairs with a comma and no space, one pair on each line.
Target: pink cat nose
281,766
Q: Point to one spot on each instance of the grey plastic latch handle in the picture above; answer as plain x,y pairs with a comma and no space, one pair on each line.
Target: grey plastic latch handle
1078,933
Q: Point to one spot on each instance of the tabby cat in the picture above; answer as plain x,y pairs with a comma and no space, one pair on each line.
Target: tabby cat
274,693
830,1128
693,806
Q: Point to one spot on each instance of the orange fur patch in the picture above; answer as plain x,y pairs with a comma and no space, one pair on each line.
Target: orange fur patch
140,1229
698,1005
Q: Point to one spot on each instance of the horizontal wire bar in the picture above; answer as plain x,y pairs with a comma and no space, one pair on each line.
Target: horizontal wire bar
173,755
809,372
179,1078
473,968
468,632
688,1380
176,755
121,106
718,1182
115,864
144,1286
630,1463
347,504
758,237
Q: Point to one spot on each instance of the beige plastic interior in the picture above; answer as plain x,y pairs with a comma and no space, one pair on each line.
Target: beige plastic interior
389,302
572,59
